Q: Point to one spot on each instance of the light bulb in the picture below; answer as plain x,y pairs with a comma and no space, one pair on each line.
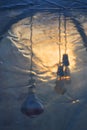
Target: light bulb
32,106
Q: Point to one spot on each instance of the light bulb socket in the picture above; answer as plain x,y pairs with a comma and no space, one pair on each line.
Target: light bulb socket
60,71
65,60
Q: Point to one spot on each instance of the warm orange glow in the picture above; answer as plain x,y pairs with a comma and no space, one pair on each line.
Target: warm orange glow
45,47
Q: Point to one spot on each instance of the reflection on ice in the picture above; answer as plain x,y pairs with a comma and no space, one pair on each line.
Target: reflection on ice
15,69
45,49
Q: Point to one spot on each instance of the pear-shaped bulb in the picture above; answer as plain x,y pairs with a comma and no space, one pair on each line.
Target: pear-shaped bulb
32,106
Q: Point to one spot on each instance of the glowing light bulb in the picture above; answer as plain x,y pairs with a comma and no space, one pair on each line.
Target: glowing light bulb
67,75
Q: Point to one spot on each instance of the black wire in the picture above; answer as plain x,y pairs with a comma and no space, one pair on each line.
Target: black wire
31,46
65,34
59,27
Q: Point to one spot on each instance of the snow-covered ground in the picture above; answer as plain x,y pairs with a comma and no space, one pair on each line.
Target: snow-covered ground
60,112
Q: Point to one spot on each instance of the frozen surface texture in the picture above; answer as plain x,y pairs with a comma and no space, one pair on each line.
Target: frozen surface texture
62,112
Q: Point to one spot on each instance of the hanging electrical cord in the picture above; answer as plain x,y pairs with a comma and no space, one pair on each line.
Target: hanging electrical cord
65,58
32,106
32,80
65,61
59,38
65,34
60,72
59,87
31,46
